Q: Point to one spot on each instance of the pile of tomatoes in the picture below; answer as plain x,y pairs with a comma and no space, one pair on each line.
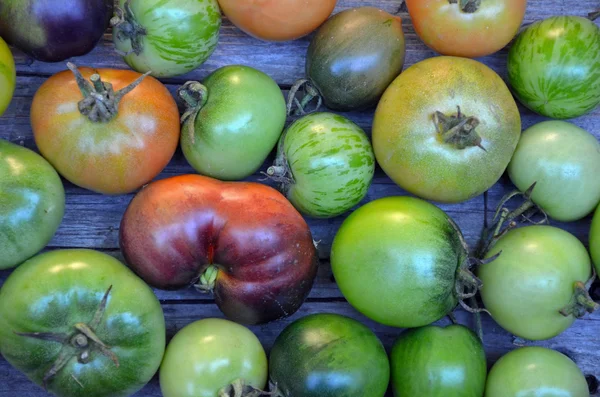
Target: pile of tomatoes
81,323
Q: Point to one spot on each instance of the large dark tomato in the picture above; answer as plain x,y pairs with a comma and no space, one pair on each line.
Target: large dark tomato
438,362
466,28
81,324
277,20
110,138
329,355
52,31
243,241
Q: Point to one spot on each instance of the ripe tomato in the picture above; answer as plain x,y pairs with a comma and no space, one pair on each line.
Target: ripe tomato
112,153
8,76
277,20
533,279
536,371
595,240
208,355
466,28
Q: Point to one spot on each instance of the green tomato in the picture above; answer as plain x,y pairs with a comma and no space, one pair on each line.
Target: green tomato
595,240
536,372
533,279
563,160
32,203
397,261
234,121
209,355
329,355
554,66
167,37
438,362
8,76
80,313
325,163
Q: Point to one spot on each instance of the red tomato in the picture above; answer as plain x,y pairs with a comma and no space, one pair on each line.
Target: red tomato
112,150
466,28
277,20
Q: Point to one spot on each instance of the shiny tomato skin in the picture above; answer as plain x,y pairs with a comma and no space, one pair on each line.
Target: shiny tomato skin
277,20
115,157
449,30
210,354
536,371
8,76
595,240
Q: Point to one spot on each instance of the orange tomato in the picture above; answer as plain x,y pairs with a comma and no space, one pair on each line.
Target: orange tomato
116,154
466,28
277,20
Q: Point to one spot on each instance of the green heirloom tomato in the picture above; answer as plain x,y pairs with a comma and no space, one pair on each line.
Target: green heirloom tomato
82,324
554,66
399,261
209,355
167,37
564,160
8,76
446,129
539,273
233,122
329,355
325,164
32,203
595,240
438,362
536,372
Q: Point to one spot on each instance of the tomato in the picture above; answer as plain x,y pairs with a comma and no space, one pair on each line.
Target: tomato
446,129
329,355
32,203
439,362
553,67
113,152
166,37
243,241
81,324
277,20
8,76
533,279
325,164
466,28
595,240
235,120
208,355
564,161
536,371
336,60
399,261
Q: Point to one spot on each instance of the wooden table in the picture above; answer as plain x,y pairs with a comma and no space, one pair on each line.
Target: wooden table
92,220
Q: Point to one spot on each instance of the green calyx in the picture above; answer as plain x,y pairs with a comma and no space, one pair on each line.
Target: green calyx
239,388
79,344
458,130
467,6
581,302
310,93
127,28
208,279
594,15
194,96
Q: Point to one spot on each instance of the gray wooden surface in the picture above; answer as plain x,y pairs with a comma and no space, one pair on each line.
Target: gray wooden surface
92,220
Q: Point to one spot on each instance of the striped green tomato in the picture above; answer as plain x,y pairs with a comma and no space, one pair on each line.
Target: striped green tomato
7,76
325,163
167,37
554,67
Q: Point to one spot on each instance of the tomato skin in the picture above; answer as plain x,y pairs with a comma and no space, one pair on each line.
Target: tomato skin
329,355
56,290
238,127
536,371
115,157
413,153
277,20
8,76
422,358
208,355
553,67
32,203
595,240
449,30
564,161
395,260
533,279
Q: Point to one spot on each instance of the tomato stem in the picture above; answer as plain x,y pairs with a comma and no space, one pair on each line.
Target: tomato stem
458,130
581,302
239,388
194,96
208,279
468,6
311,93
594,15
127,28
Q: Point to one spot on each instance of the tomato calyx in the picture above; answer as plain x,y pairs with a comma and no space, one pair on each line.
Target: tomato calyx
128,28
239,388
458,130
78,344
581,302
594,15
310,93
467,6
208,279
194,96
